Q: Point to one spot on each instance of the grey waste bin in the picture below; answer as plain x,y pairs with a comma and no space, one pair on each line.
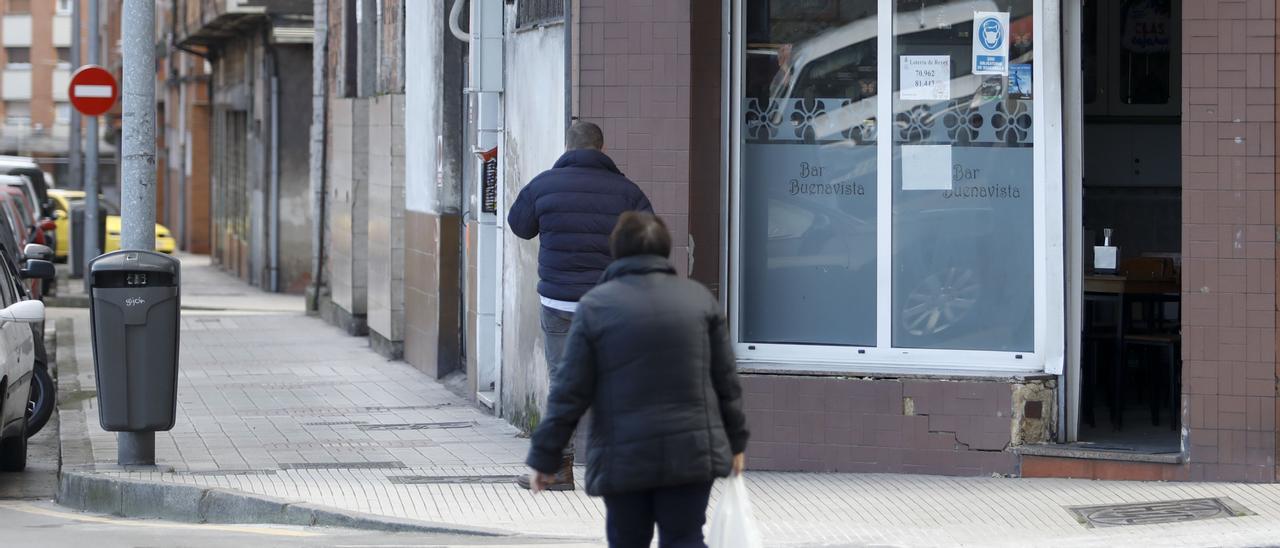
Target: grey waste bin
134,311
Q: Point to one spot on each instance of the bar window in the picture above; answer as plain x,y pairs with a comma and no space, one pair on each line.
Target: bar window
893,186
809,175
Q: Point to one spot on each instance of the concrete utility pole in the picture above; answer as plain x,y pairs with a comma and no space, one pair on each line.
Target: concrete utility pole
74,161
138,156
90,186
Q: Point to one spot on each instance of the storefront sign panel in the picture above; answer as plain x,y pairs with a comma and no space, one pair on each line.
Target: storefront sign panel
963,257
809,252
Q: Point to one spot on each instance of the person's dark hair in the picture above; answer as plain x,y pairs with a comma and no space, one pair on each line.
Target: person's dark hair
640,233
584,135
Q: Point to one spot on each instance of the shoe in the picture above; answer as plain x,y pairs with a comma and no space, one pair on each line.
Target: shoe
564,477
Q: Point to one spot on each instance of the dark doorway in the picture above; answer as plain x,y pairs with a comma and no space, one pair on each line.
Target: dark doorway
1132,190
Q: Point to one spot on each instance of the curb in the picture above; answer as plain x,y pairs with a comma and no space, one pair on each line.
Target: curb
131,498
193,504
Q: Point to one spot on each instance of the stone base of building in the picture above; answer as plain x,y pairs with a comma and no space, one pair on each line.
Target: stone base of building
355,325
389,349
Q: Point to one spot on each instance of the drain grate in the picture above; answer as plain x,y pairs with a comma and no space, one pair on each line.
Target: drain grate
231,473
364,465
417,426
334,411
1148,513
349,444
437,480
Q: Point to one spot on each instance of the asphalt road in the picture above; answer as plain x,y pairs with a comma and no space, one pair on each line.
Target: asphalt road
30,518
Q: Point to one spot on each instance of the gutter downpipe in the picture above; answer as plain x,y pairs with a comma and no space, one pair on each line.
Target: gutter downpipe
568,64
273,199
319,116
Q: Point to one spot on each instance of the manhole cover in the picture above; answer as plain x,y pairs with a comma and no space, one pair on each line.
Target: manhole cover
341,465
430,480
417,426
1148,513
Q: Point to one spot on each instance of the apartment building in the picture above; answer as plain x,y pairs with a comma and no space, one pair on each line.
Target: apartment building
35,68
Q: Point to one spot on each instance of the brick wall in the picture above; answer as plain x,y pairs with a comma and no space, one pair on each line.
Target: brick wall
1229,238
820,424
634,80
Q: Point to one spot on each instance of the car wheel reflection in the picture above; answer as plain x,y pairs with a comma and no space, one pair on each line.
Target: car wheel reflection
940,301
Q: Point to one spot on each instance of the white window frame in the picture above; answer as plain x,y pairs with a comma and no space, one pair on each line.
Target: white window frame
1048,354
64,7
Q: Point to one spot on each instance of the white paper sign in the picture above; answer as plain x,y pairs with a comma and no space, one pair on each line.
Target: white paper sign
925,77
990,42
926,167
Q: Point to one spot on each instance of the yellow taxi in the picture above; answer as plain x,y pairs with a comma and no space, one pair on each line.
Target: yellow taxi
63,199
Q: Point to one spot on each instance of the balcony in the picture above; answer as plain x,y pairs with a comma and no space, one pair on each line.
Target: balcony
206,23
16,85
16,30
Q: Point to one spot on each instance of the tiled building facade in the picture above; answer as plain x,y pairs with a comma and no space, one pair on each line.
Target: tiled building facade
659,77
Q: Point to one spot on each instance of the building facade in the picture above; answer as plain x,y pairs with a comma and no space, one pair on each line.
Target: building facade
235,177
35,69
970,238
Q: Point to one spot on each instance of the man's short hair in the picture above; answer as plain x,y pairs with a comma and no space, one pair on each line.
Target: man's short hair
584,135
639,233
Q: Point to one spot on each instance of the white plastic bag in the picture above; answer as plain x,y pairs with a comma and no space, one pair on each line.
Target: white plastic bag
732,525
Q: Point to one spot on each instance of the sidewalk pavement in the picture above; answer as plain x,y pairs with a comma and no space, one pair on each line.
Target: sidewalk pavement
282,407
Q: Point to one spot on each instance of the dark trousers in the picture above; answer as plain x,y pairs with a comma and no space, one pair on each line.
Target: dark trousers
555,332
679,512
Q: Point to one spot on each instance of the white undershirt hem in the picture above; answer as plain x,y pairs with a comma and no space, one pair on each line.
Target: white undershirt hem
563,306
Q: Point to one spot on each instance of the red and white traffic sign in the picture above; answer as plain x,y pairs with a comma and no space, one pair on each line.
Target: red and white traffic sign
93,90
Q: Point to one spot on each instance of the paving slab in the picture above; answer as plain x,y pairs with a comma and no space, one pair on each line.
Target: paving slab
280,414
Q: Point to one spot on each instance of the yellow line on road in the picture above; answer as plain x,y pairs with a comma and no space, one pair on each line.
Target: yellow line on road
33,509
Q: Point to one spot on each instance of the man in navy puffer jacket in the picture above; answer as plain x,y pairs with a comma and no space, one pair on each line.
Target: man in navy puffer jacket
573,207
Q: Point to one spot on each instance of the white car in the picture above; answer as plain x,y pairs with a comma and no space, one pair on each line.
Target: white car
17,366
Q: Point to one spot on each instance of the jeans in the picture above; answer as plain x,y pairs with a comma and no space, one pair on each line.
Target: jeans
679,512
555,332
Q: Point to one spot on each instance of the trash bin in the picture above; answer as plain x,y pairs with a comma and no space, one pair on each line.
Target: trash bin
134,311
76,253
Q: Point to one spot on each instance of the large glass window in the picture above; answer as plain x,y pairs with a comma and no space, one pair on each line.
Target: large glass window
809,174
963,178
890,225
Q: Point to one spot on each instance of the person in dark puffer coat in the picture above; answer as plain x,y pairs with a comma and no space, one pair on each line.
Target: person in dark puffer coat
649,352
572,208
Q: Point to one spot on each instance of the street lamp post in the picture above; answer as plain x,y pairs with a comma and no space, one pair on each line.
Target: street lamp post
138,155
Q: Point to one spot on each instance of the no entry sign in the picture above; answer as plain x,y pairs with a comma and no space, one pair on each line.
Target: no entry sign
93,90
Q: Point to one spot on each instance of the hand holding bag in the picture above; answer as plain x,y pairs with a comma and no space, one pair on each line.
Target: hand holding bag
732,526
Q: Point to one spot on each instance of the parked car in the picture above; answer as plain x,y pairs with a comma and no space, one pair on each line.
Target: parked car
27,168
64,200
17,367
42,225
29,267
35,268
13,218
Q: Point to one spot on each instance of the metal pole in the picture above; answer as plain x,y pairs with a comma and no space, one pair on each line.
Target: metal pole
319,110
74,161
138,167
90,184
